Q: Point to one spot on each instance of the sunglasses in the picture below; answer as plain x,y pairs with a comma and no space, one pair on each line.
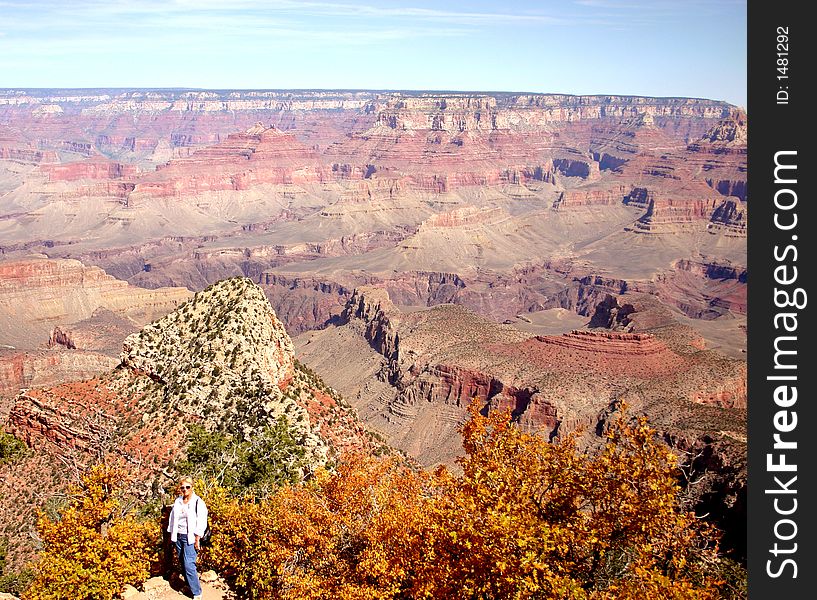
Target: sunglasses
186,487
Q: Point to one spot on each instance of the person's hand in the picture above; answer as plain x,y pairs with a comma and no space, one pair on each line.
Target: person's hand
196,544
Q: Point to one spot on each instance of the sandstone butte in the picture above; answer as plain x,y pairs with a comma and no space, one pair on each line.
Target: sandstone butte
221,359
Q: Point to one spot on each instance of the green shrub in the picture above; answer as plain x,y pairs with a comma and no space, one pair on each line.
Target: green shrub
258,465
11,448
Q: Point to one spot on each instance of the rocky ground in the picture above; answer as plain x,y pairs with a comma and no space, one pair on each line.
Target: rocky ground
171,588
159,588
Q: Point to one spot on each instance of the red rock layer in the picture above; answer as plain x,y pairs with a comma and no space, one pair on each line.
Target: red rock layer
592,196
82,417
20,370
88,170
638,356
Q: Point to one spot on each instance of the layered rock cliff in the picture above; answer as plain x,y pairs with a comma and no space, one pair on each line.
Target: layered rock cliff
37,294
437,360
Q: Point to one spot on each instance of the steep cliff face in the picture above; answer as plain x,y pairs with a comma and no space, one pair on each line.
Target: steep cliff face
728,134
381,318
95,169
683,208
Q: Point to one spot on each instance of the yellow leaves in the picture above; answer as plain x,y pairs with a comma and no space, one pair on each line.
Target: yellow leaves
526,519
93,549
351,534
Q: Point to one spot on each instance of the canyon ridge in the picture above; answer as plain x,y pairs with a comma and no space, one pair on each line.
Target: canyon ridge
555,255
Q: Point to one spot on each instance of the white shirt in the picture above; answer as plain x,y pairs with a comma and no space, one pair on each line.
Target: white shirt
196,511
181,522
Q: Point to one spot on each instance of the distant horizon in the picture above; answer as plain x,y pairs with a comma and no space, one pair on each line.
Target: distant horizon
124,89
651,48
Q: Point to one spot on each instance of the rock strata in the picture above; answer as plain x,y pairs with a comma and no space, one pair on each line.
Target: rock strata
37,294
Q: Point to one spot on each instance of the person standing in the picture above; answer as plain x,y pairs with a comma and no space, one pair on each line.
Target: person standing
186,525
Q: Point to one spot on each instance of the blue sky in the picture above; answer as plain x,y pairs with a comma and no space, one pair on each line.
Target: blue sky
694,48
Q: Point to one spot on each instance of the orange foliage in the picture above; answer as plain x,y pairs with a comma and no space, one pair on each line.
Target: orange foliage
95,547
526,519
529,519
347,535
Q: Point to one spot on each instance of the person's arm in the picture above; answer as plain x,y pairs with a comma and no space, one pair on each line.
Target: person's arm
201,522
171,519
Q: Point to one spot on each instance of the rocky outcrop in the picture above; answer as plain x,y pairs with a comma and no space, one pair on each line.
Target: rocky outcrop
62,338
605,354
730,132
730,215
584,294
223,344
619,344
671,213
380,317
592,196
45,421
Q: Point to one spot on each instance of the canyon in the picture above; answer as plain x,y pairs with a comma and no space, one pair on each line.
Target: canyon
560,256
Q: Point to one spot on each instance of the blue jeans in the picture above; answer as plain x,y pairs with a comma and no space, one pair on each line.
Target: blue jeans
187,557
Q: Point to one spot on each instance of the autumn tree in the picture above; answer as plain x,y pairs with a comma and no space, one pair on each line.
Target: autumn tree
95,546
525,519
530,519
351,534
